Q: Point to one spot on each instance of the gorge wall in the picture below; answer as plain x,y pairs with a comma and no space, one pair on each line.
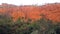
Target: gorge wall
51,11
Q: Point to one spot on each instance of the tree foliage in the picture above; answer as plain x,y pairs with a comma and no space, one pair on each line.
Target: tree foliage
42,26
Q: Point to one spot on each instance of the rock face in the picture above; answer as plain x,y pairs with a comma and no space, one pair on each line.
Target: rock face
51,11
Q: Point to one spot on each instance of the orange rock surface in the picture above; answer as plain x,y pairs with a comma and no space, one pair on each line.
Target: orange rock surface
51,11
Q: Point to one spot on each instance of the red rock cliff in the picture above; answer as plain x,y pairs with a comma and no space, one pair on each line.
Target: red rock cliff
51,11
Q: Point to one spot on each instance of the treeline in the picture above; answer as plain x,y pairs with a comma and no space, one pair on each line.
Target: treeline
42,26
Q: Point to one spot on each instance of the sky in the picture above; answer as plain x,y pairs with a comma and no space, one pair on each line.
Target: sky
29,2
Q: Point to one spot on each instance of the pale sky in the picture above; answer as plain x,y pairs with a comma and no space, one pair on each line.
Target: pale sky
29,2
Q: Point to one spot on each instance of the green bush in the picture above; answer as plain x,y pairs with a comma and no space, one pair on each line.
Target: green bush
7,26
42,26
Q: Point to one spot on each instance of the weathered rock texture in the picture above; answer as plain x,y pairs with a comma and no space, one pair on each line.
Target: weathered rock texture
51,11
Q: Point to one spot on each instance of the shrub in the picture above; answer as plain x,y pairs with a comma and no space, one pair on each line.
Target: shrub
42,26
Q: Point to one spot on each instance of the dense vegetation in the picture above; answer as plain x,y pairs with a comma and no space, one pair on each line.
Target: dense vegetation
42,26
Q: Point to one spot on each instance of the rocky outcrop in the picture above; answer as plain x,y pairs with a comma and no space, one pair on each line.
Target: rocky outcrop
51,11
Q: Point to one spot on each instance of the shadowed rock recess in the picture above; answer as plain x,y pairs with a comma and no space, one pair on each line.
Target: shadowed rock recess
30,19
